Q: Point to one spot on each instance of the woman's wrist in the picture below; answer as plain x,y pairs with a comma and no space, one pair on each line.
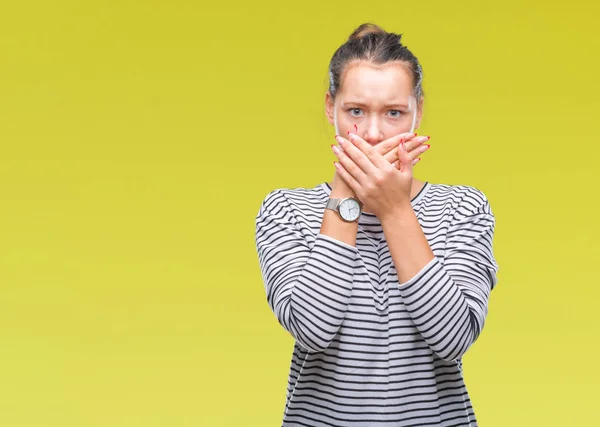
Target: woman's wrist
340,189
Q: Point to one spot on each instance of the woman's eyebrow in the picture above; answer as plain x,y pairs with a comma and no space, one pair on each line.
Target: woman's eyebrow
360,104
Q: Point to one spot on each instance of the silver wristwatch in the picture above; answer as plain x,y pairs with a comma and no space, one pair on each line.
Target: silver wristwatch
349,208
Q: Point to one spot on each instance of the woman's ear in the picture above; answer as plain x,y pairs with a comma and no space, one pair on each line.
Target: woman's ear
329,106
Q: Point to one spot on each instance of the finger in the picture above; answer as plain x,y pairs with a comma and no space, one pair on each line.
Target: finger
414,162
411,144
392,143
364,155
346,159
372,153
392,156
406,161
416,142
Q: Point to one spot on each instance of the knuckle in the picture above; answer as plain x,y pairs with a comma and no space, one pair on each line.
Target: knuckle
370,187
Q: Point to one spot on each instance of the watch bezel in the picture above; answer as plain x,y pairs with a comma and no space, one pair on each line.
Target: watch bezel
352,199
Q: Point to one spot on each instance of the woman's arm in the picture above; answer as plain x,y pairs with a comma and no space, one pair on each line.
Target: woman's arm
447,299
332,225
307,289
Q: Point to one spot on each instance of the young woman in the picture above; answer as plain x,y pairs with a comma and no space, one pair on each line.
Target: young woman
383,280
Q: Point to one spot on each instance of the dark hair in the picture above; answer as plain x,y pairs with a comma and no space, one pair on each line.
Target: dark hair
370,42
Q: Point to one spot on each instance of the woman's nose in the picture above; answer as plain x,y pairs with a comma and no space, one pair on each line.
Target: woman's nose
373,135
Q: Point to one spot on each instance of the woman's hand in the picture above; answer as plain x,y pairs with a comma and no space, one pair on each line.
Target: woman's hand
414,146
412,142
369,172
389,150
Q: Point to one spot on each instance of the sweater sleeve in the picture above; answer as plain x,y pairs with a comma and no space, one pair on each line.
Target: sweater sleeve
448,300
308,289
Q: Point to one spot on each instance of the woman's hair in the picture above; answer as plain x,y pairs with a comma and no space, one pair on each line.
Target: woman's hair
371,43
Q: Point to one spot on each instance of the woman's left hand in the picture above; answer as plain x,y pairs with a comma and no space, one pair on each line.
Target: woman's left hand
375,181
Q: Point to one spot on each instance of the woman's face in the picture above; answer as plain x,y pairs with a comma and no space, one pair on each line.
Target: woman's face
376,100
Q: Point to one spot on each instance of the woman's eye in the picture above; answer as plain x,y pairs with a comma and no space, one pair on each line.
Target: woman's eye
357,111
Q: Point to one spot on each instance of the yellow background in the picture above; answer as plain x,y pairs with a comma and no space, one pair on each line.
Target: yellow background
138,139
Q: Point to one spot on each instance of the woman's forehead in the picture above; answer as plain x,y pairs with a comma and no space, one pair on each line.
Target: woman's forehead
386,83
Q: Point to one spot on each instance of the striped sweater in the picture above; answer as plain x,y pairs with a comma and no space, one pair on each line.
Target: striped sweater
370,351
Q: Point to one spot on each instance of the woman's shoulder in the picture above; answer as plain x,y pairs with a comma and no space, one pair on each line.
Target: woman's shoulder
464,199
291,197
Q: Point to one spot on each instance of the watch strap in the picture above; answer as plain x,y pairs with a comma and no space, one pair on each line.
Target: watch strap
332,203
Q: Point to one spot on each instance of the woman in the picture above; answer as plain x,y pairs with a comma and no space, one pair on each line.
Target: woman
387,288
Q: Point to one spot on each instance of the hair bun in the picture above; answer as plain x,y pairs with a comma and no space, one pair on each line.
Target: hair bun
366,29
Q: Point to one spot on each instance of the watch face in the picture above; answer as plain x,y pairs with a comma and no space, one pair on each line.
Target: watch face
349,209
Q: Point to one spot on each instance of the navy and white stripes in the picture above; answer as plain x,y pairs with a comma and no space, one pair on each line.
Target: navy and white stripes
369,350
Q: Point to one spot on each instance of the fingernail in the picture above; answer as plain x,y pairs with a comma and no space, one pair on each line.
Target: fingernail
351,136
340,140
335,149
428,137
428,145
